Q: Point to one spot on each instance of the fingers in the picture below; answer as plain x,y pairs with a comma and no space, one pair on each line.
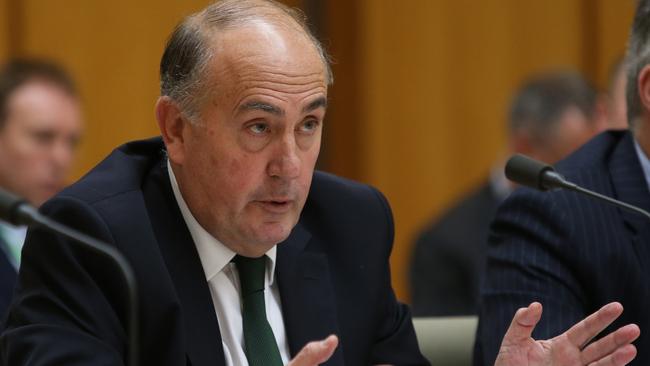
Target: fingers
621,357
610,344
315,353
522,324
580,334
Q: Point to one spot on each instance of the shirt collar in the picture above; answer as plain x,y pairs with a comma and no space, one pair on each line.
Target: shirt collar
12,240
499,183
645,162
214,255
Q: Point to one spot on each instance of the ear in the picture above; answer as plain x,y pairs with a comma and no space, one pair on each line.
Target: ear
172,123
523,143
644,87
520,143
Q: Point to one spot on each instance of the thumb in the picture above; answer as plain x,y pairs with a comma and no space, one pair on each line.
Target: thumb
523,323
315,353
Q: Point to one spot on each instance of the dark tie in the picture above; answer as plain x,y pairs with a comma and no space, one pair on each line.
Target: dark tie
259,343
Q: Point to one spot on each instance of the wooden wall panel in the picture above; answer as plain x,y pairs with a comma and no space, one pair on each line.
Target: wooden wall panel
612,25
421,91
4,29
438,78
342,136
113,48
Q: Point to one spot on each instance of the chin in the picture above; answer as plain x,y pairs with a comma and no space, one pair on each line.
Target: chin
272,234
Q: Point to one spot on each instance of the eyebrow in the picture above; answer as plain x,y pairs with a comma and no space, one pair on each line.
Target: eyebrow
318,103
261,106
269,108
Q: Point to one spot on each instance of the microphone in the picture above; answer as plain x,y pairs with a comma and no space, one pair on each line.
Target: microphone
534,174
17,211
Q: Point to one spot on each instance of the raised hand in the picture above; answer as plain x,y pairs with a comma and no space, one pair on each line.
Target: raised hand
571,347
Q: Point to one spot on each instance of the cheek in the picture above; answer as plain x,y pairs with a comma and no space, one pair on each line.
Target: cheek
22,153
309,158
235,171
235,177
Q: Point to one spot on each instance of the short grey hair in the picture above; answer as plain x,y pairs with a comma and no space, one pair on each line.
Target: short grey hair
636,58
183,67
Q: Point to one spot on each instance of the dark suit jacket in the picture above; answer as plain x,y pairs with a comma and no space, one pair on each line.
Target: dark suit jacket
570,252
7,282
332,273
449,257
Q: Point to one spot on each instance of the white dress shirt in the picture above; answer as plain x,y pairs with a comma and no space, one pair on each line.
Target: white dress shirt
645,162
223,280
13,238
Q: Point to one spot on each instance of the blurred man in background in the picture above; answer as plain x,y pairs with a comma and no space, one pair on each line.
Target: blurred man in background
40,126
551,115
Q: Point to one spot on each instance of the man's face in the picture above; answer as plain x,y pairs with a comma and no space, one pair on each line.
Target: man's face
38,139
572,131
247,165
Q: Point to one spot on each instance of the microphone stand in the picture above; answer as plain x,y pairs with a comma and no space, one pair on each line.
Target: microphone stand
23,214
541,176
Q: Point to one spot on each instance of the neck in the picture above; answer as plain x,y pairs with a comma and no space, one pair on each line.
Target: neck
641,133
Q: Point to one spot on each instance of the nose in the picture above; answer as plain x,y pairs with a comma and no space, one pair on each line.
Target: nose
285,162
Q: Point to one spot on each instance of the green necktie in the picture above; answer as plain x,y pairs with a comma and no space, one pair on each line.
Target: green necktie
259,342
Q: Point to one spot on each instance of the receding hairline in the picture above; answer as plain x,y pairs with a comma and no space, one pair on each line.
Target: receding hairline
187,61
271,16
269,11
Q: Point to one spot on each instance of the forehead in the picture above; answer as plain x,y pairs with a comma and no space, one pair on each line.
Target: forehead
40,93
45,103
262,55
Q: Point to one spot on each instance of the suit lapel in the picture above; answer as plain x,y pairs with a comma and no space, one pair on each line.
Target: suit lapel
631,187
7,280
306,293
203,340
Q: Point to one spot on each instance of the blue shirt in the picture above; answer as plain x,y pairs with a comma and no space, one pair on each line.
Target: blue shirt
645,162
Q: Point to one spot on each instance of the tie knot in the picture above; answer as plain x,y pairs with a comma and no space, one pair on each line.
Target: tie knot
251,273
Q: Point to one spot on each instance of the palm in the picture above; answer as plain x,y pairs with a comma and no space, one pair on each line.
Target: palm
554,352
570,348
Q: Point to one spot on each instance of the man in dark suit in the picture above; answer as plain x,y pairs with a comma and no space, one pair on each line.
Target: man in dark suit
40,125
244,88
551,115
243,254
571,252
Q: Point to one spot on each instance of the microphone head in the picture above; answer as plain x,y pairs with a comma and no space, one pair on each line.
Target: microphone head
9,204
528,172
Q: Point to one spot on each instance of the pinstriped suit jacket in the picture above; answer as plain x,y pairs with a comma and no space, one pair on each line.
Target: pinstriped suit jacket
569,252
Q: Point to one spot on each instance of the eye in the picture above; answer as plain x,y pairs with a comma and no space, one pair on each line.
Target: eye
258,128
309,126
43,137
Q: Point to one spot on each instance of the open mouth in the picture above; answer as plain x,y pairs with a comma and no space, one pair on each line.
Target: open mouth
276,206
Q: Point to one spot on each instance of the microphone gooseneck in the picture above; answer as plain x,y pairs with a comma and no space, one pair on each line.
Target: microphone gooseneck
531,173
17,211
